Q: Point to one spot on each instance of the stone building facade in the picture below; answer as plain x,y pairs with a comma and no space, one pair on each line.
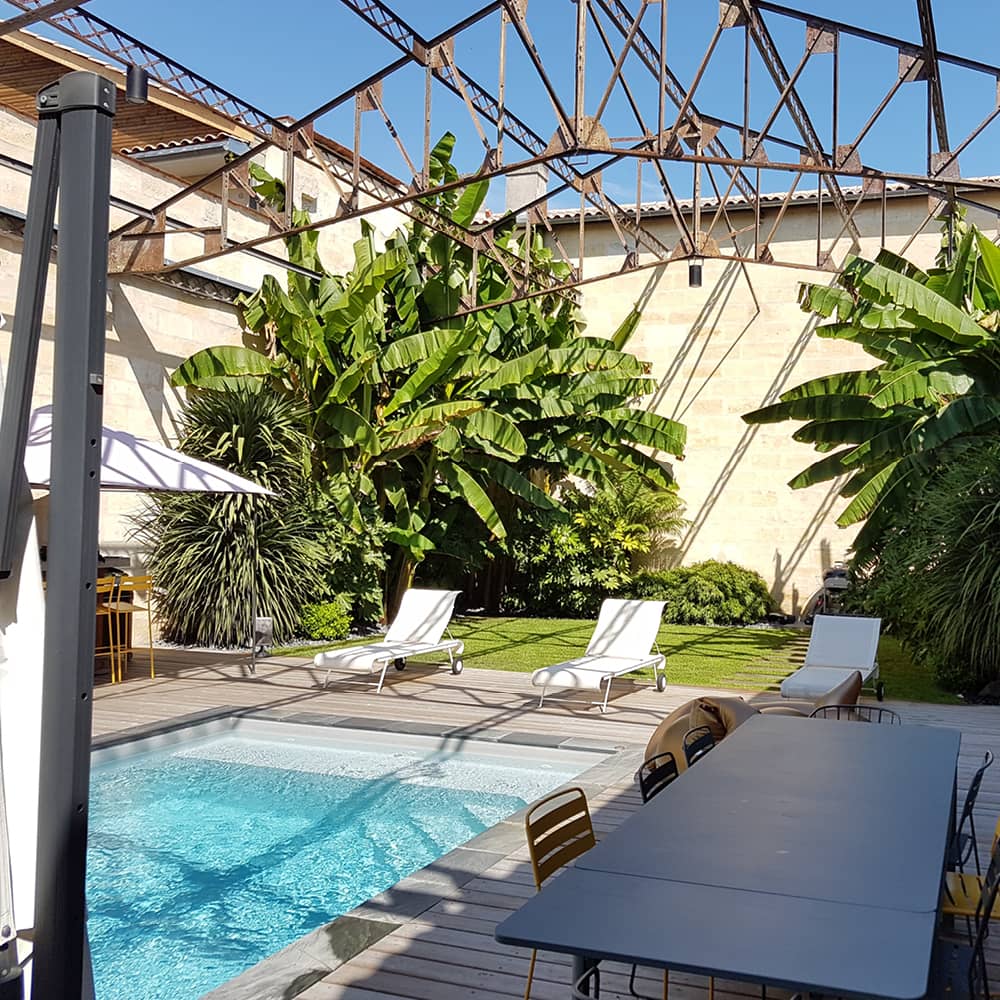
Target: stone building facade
733,345
716,351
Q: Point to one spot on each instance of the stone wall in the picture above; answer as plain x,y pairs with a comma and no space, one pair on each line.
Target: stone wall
726,348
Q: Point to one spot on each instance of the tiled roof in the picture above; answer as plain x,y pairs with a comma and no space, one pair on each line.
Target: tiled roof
183,143
736,201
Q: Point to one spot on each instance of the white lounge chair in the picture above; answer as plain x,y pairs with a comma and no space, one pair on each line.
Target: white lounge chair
417,629
623,638
838,645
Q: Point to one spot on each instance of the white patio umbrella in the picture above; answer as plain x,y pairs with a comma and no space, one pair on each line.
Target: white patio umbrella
127,463
132,463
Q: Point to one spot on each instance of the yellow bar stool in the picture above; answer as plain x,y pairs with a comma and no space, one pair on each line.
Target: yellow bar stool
104,590
132,585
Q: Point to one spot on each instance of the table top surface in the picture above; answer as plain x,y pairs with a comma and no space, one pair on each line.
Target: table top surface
791,831
800,807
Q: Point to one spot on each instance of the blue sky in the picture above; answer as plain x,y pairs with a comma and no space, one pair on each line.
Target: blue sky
288,58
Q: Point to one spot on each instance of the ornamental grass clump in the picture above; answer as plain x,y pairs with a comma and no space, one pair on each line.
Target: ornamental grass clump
216,556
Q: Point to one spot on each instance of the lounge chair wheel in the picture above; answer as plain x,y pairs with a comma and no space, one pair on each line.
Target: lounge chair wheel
399,663
661,682
457,667
880,691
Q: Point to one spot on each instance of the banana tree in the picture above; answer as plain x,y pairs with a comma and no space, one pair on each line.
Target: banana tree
938,381
422,405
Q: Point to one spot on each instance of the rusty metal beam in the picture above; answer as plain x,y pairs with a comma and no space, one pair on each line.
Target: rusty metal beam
40,13
688,136
932,71
768,51
118,45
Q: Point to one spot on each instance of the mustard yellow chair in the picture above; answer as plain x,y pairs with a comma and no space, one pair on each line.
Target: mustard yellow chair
119,607
559,830
965,891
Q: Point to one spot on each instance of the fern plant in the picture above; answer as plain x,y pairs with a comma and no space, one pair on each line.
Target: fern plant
216,556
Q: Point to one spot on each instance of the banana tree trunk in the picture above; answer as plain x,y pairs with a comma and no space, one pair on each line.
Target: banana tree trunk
398,581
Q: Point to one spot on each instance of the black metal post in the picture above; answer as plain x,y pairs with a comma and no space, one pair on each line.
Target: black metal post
35,253
86,107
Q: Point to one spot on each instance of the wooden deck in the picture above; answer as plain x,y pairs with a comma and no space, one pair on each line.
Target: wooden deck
444,949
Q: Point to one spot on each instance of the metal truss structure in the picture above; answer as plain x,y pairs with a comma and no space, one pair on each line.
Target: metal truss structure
712,170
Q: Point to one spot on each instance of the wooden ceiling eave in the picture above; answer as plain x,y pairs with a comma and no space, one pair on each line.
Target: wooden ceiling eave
167,115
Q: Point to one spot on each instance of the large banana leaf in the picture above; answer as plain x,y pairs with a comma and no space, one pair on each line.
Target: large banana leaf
212,367
464,483
834,432
963,416
827,468
921,305
512,481
649,429
496,433
856,383
834,407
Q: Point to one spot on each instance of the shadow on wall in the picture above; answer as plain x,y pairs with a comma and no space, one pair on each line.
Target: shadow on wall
702,330
786,566
705,327
150,367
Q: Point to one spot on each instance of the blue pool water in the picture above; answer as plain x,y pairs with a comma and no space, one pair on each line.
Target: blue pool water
207,857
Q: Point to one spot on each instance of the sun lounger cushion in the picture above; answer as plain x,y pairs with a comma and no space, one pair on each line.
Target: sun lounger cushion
585,672
370,657
814,682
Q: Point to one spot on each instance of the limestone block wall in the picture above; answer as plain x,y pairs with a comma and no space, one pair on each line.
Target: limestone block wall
729,347
151,326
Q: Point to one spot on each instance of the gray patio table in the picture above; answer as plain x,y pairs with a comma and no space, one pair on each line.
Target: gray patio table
801,853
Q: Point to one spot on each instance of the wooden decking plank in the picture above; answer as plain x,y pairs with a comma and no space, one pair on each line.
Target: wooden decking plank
449,951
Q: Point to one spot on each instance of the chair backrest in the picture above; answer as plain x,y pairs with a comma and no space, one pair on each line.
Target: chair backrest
843,641
626,628
857,713
979,986
973,791
847,692
423,616
134,583
559,830
105,586
961,852
656,773
697,743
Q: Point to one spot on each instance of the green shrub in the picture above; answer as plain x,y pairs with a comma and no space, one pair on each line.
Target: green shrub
330,620
706,593
931,576
353,562
566,562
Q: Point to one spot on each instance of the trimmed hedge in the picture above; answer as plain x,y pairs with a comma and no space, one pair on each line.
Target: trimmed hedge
705,593
330,620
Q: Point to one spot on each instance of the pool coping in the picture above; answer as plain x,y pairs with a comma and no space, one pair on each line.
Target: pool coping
293,969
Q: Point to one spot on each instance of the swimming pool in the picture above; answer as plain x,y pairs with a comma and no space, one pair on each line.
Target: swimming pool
210,854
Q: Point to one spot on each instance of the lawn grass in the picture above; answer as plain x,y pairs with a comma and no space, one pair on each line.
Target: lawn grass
698,655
